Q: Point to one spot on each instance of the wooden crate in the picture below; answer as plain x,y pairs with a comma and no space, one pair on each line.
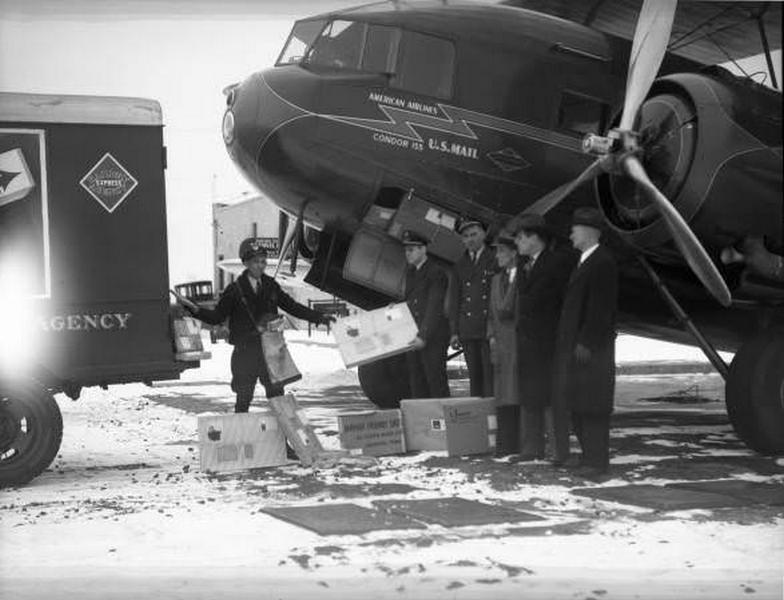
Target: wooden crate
234,442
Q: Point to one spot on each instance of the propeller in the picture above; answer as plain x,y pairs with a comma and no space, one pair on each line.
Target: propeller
619,151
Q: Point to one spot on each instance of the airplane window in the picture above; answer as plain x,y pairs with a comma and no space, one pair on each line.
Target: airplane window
582,114
299,41
380,49
339,45
426,65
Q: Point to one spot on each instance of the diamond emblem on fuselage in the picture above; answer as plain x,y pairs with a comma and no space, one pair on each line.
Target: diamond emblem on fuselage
108,182
508,160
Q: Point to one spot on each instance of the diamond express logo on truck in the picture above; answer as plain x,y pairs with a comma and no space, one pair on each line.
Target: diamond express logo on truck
109,182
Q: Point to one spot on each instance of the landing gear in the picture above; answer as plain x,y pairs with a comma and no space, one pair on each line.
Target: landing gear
385,381
31,429
755,394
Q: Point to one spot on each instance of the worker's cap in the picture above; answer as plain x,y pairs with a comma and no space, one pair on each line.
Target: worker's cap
464,224
588,216
412,238
252,247
504,238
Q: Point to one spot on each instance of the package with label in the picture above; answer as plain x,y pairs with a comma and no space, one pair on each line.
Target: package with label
237,441
425,424
470,428
431,221
281,367
374,334
300,432
187,339
372,433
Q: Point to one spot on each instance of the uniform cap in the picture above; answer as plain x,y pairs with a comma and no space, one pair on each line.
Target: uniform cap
250,248
466,223
412,238
504,239
588,216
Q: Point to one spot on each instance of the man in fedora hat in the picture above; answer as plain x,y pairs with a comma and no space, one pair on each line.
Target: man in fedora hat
426,285
469,295
585,351
250,303
545,271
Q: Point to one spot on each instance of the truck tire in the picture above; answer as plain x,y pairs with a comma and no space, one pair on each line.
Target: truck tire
755,394
385,381
31,429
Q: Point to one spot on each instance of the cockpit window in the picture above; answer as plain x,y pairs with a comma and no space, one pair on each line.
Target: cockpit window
426,65
339,45
299,41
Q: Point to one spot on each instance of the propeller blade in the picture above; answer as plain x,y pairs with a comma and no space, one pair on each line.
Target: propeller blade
291,229
550,200
688,244
651,37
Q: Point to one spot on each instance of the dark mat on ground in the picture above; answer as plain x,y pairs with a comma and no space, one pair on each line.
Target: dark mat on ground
660,497
455,512
751,492
341,519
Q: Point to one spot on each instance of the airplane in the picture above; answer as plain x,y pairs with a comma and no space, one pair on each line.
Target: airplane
400,115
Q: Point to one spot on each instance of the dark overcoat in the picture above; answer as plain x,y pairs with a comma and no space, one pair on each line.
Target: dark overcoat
263,307
539,299
425,292
469,295
588,318
501,329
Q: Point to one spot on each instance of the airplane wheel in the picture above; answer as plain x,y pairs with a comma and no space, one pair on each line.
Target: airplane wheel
31,429
385,381
755,394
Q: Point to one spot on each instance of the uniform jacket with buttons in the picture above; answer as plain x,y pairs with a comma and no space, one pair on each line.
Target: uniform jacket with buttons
263,306
425,292
469,295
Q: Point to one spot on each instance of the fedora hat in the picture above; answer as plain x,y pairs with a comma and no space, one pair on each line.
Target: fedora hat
589,217
505,239
532,222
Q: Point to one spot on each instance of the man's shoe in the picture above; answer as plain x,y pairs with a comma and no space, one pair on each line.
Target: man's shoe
597,474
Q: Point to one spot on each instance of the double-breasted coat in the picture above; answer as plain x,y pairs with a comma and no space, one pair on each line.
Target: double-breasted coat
539,298
469,295
502,333
424,294
588,318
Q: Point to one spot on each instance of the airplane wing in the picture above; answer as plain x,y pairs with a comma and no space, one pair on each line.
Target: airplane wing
704,31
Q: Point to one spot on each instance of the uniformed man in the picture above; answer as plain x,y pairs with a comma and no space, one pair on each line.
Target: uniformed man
426,285
469,297
585,349
250,303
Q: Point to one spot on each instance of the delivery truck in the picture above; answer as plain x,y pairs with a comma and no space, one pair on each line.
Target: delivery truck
84,277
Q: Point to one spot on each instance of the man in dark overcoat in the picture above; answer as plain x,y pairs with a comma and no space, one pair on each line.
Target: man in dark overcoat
585,351
544,273
469,297
426,285
249,303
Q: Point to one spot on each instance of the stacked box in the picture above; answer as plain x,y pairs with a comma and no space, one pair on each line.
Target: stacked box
372,433
233,442
369,336
426,422
431,221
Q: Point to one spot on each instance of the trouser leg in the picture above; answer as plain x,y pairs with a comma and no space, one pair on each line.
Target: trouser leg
531,432
507,434
472,351
244,373
594,436
433,359
416,375
487,370
559,425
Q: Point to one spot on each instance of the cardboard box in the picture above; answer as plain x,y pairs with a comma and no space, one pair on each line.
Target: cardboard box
233,442
470,428
425,421
369,336
372,433
431,221
300,432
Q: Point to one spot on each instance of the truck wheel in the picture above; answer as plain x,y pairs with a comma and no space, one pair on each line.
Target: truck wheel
385,381
755,394
31,429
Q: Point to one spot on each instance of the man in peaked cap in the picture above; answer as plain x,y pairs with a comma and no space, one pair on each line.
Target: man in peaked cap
250,303
469,297
585,349
541,285
426,285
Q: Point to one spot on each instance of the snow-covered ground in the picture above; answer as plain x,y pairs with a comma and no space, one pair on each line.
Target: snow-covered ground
124,511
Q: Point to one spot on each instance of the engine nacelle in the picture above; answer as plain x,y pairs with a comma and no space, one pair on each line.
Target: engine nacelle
712,145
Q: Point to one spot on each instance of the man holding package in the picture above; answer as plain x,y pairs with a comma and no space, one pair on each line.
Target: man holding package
251,305
426,285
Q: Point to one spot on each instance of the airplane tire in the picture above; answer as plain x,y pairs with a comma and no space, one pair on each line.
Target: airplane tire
385,381
31,429
755,394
